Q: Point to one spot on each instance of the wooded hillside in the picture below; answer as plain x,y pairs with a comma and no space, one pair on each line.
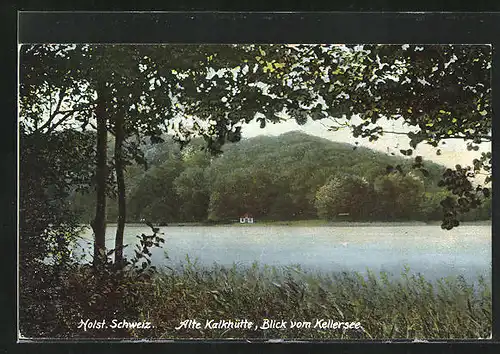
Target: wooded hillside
293,176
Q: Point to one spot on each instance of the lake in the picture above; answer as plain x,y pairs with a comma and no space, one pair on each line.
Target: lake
426,249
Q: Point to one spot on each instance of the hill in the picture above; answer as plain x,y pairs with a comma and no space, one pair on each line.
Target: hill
293,176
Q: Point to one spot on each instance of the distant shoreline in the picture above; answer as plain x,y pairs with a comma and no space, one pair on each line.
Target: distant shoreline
313,223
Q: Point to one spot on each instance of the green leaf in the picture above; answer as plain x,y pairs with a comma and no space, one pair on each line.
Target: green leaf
262,123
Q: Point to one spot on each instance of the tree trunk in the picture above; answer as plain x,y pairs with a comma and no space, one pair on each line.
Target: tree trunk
120,182
99,222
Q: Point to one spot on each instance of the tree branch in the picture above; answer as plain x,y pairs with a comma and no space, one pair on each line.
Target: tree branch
64,117
52,115
484,138
393,132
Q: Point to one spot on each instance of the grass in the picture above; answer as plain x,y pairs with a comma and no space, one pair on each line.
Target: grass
387,307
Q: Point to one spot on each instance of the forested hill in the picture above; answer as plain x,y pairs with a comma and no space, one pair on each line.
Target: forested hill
288,177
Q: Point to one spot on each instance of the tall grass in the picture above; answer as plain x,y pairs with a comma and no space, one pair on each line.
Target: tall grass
387,307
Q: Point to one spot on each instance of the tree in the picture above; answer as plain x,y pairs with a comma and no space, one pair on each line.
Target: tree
192,189
440,91
55,95
47,227
130,91
244,190
430,207
154,198
344,194
398,196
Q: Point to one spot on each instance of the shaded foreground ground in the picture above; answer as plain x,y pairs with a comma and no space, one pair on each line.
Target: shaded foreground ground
409,307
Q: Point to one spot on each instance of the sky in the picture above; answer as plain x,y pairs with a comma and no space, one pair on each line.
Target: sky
453,152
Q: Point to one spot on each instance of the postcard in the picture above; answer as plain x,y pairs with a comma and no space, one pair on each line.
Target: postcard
252,191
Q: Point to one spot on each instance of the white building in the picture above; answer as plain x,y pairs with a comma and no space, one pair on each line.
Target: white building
246,219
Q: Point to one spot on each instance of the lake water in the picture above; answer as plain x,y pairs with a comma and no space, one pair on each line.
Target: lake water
426,249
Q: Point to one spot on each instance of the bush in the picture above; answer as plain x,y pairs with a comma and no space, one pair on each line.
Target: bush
56,300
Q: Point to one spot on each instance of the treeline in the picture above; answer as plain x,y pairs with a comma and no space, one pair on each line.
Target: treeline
293,176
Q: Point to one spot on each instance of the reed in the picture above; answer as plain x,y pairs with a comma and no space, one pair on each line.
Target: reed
387,307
